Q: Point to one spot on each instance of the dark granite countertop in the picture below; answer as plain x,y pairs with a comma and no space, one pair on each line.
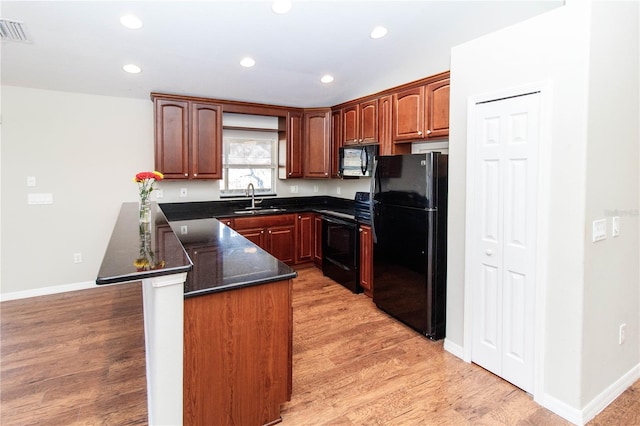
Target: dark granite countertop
228,208
137,251
224,259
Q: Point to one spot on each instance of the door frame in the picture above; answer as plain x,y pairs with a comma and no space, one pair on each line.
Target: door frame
542,224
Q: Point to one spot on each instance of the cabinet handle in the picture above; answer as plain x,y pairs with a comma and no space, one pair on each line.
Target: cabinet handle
269,231
419,132
489,252
262,232
299,217
195,174
326,174
186,174
360,229
428,132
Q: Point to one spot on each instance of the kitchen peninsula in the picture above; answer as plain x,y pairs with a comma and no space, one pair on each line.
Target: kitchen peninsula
235,322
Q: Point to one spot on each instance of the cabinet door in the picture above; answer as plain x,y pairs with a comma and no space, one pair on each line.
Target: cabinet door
294,144
172,138
317,240
336,142
366,260
317,143
206,141
281,242
408,114
369,122
350,125
384,126
255,235
437,95
304,238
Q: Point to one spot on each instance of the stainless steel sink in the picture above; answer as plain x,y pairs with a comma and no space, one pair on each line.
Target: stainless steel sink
257,210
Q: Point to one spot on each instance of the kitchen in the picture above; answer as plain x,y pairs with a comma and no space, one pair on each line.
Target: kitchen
99,143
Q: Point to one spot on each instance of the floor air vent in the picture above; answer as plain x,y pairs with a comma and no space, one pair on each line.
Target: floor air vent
13,31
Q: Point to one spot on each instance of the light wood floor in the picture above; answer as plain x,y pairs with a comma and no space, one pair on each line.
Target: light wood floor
78,359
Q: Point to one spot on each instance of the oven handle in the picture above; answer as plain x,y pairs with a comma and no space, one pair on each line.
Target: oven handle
338,221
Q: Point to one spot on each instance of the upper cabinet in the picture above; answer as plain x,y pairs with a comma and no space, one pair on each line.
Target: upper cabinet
188,139
437,113
317,143
360,123
336,141
293,145
422,112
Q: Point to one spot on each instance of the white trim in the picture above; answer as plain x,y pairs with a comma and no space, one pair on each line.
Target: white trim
45,291
453,348
561,408
607,396
542,225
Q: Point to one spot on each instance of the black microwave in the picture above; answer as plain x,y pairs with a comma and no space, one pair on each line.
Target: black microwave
357,161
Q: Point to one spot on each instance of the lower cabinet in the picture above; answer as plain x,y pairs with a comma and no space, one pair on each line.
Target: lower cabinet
317,240
273,233
366,260
304,237
238,355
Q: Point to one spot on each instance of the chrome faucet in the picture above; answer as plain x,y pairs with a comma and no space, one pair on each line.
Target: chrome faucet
251,191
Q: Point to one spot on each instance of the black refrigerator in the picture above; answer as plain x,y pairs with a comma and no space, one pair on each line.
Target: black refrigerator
409,224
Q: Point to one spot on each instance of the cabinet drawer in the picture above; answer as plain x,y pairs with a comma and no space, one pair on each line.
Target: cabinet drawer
263,221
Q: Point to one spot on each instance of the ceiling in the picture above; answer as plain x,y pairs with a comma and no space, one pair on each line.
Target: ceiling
194,47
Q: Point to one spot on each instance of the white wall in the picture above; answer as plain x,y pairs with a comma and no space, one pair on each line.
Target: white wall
83,149
612,279
554,48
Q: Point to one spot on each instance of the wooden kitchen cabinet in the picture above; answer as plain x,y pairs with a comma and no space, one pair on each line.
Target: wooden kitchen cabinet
273,233
290,146
437,94
188,138
317,240
206,265
385,129
304,238
366,259
422,112
360,123
336,142
317,143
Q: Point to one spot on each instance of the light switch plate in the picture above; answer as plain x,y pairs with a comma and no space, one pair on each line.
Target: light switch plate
599,230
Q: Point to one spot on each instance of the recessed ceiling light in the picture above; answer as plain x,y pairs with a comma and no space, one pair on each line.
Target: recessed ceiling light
131,21
132,69
326,78
281,6
247,62
378,32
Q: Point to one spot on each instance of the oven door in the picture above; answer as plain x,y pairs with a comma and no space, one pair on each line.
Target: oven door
340,252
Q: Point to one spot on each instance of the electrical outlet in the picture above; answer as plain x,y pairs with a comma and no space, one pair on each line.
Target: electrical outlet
77,257
315,188
31,181
183,192
338,190
159,193
294,189
615,226
599,230
184,230
622,334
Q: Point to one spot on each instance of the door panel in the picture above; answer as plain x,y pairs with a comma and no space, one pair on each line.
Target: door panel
503,251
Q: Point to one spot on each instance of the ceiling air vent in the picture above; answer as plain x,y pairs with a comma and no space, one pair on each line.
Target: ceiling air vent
13,31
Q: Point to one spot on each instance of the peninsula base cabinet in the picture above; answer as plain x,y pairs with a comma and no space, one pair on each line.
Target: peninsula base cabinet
238,355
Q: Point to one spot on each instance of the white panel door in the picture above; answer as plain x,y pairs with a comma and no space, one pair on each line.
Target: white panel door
503,237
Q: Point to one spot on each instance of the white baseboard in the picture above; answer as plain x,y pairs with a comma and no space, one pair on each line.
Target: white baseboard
453,348
607,396
597,404
44,291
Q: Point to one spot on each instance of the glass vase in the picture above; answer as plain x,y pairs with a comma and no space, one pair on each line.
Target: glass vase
145,211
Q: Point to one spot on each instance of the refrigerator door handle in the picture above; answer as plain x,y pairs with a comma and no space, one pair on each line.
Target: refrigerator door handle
374,176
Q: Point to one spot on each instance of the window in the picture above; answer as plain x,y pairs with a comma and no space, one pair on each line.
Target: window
248,157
